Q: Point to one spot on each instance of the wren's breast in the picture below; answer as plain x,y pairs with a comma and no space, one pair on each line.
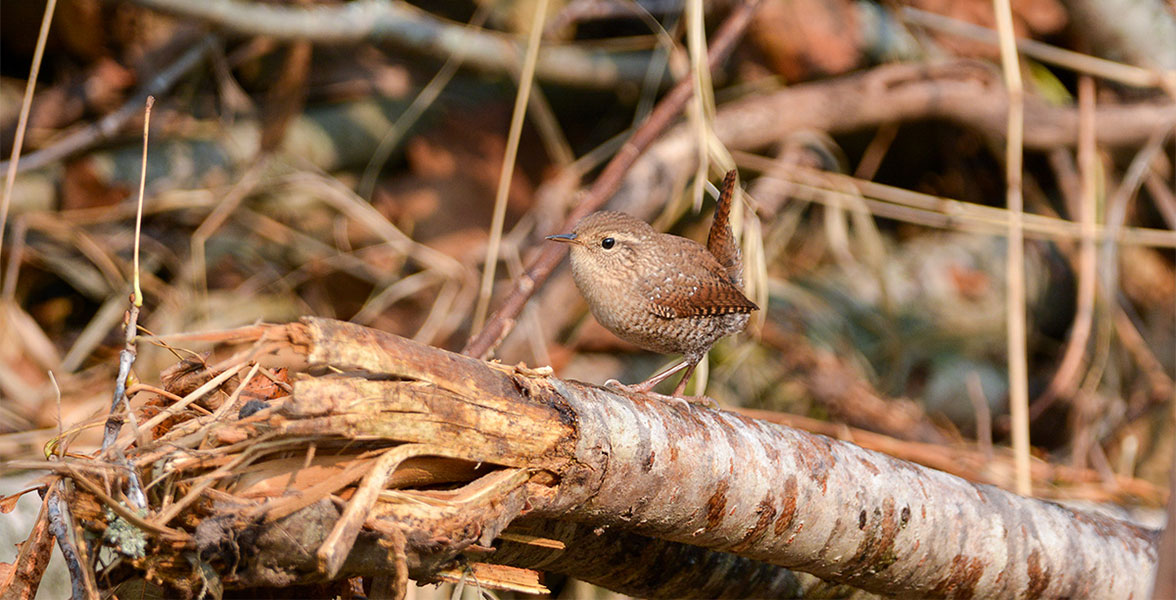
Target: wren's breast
621,305
614,301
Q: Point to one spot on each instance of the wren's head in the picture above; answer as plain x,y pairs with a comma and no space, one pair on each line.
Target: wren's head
606,243
610,251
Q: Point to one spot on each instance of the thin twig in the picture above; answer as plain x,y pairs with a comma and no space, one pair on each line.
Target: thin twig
234,464
126,357
419,104
1162,385
138,297
1116,216
982,411
701,112
606,185
195,271
1163,198
1066,378
20,229
108,316
121,510
876,150
57,403
346,201
199,392
227,405
901,204
551,134
61,525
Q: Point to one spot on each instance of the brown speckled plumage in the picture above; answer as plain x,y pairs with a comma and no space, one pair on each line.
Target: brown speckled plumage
662,292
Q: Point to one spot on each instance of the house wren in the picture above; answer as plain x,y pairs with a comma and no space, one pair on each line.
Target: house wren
662,292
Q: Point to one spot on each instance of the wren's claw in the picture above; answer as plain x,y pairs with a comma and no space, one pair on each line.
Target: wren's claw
645,387
641,390
637,389
705,401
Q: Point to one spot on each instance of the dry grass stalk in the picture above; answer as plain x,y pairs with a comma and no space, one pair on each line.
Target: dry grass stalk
23,119
1018,362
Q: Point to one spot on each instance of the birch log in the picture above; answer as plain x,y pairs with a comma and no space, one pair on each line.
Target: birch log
725,482
401,460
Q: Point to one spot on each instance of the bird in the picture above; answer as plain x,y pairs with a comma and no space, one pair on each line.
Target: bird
662,292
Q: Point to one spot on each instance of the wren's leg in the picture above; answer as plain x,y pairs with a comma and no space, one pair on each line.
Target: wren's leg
685,377
699,400
646,386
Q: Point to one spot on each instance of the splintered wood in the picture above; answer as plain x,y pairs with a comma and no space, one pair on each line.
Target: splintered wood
357,453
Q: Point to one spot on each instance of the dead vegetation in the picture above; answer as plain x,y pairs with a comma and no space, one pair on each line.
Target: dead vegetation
360,162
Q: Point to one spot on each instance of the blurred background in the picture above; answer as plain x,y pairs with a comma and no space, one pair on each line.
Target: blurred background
355,160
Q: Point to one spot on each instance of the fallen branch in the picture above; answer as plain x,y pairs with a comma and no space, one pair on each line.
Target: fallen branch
409,27
530,444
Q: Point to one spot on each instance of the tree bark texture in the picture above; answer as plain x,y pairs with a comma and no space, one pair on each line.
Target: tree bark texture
637,565
745,493
717,480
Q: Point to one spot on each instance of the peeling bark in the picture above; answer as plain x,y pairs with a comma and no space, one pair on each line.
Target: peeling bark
541,448
721,481
20,580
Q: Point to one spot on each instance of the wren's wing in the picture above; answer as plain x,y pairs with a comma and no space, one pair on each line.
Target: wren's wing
693,288
721,240
702,301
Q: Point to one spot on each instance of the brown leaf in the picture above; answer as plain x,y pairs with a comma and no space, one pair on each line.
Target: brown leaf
804,38
81,27
286,97
83,186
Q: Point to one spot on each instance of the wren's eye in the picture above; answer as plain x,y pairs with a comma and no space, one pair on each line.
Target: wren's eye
607,243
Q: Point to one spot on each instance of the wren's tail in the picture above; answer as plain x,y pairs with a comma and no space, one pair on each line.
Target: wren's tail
721,241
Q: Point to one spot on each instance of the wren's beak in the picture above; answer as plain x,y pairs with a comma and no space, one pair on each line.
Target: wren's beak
567,238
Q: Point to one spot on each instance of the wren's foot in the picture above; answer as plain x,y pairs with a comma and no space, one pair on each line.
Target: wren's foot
628,389
706,401
642,390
